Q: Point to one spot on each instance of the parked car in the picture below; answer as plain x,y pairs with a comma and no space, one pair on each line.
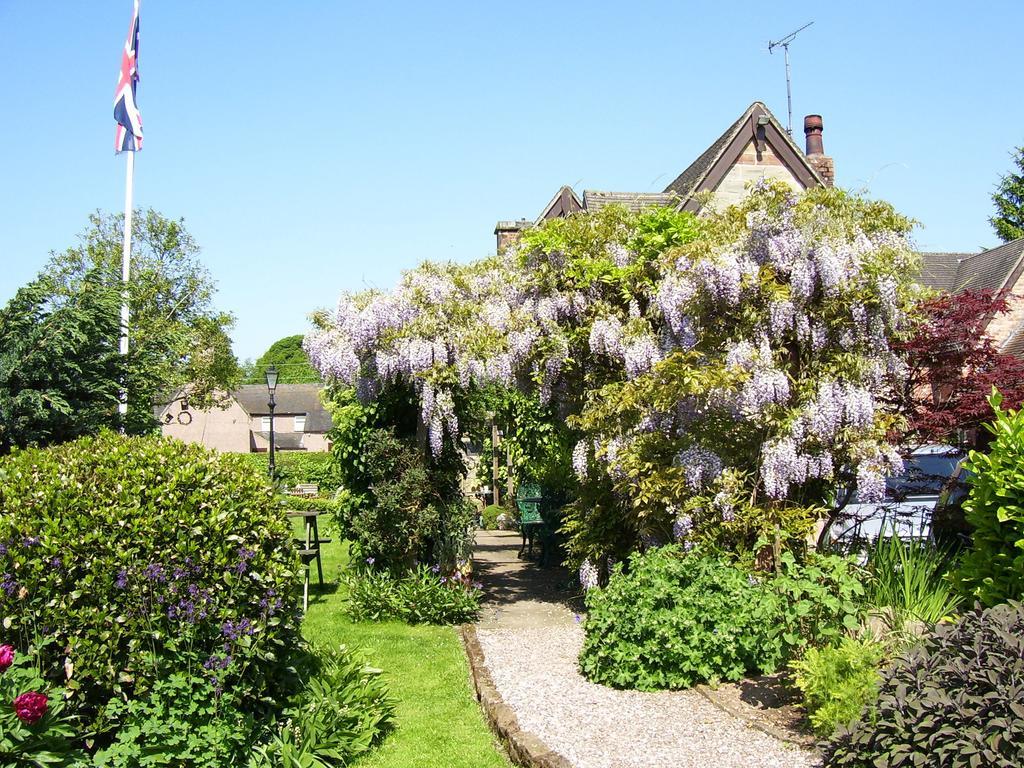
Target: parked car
909,502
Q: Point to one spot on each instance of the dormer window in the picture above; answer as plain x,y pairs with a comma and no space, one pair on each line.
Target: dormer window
300,423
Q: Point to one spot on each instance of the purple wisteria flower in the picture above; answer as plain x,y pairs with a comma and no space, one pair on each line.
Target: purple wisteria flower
581,460
700,467
682,527
588,575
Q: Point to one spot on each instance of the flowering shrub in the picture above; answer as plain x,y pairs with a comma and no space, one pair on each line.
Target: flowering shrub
34,728
723,374
123,559
424,595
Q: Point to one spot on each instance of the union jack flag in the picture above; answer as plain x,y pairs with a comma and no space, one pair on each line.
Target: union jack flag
128,135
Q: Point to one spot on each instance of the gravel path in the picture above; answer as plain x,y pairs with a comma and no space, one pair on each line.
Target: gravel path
534,669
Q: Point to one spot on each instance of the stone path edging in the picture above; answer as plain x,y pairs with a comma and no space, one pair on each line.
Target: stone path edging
768,728
523,747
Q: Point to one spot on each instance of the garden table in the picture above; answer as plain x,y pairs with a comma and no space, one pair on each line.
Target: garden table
309,548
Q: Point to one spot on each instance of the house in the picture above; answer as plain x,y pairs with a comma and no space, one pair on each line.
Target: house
999,269
301,422
755,146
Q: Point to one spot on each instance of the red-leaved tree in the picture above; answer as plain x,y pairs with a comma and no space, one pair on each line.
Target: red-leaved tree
953,366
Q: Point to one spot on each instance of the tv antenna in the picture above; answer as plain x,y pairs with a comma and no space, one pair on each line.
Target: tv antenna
784,42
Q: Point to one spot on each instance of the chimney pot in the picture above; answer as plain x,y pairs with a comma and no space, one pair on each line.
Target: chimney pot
812,131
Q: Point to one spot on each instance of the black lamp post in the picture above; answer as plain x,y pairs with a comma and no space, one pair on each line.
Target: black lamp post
271,375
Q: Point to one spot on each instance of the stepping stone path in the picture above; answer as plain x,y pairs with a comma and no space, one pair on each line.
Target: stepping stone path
527,642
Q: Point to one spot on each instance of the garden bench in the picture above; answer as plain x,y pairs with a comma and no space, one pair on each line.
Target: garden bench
529,501
309,549
304,489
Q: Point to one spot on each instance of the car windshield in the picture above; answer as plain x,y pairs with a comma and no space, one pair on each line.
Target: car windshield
924,475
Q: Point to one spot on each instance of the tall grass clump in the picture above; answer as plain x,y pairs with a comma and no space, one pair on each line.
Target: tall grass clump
909,579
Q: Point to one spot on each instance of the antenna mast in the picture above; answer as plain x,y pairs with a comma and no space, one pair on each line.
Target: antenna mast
784,42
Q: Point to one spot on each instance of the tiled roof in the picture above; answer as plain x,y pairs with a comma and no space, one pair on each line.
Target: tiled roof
991,269
1014,345
938,270
594,200
288,399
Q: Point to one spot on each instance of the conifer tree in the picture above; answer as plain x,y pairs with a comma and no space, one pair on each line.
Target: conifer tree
1009,201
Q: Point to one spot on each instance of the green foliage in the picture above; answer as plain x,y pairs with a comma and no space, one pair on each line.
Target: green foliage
295,467
58,363
490,517
535,442
47,742
838,681
290,359
422,596
1008,221
822,599
341,712
992,571
952,702
183,720
129,557
908,579
177,337
675,619
401,504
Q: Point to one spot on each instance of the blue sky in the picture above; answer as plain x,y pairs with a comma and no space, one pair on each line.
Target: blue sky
319,147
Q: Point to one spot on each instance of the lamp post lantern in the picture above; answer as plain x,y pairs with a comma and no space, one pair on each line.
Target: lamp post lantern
271,374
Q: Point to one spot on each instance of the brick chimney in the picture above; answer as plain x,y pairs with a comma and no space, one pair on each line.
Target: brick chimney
508,233
816,156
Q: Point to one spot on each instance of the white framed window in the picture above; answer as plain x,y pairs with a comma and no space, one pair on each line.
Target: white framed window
264,424
300,423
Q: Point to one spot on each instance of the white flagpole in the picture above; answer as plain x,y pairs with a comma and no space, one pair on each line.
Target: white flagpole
126,255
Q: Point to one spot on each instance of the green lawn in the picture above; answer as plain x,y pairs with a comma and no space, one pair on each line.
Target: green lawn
438,720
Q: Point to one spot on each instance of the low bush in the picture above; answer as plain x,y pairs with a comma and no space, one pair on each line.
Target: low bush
992,571
299,467
838,681
124,559
341,712
822,599
908,580
954,701
182,720
489,517
422,596
675,619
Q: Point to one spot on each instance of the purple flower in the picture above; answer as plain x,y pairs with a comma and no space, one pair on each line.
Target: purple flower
233,630
8,584
588,575
370,561
700,467
31,541
155,572
244,556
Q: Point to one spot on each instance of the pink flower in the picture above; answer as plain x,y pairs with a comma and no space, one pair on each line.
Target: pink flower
30,707
6,657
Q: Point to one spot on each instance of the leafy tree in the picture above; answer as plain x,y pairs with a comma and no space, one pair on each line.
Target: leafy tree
952,366
722,374
290,359
58,363
1009,201
176,335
